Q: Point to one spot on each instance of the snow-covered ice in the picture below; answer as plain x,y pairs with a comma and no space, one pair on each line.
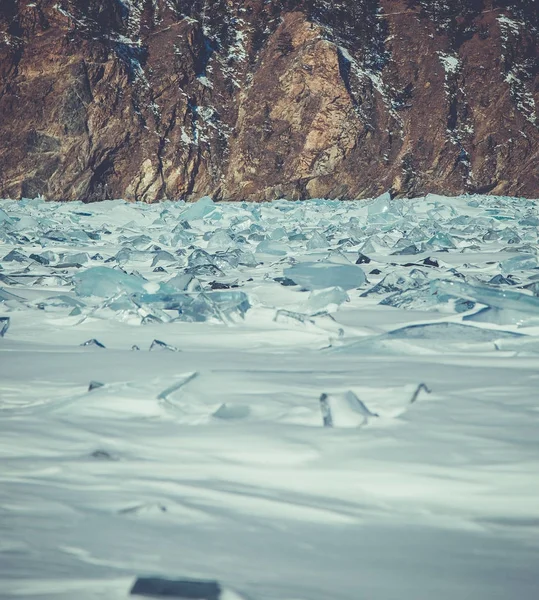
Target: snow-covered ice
166,372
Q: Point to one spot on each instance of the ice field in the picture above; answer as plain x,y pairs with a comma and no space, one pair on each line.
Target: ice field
232,392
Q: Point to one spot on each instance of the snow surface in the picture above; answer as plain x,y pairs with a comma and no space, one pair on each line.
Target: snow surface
207,457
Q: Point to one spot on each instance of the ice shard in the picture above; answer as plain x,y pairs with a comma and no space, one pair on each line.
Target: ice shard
93,343
320,275
4,325
105,283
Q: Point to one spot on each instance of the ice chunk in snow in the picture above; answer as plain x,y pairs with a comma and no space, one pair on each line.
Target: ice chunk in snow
203,208
185,283
15,256
183,589
272,248
159,345
523,262
232,412
220,240
327,300
93,343
344,410
4,217
94,385
157,587
317,241
447,332
320,275
4,325
199,258
105,283
380,205
494,297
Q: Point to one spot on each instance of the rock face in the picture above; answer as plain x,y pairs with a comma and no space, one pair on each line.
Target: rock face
260,99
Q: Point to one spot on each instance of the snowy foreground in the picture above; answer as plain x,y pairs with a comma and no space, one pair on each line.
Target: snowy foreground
201,450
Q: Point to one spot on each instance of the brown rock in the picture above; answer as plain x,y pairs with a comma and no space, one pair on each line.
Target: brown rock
256,100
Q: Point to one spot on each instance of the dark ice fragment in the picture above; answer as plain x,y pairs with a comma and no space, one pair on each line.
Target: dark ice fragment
159,345
421,387
4,325
501,280
40,259
93,342
286,281
101,455
183,589
94,385
217,285
15,256
363,260
533,287
431,262
326,411
411,249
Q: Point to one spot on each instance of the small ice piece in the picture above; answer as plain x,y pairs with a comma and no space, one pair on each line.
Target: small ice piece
326,411
396,282
199,258
231,412
317,241
420,388
224,259
523,262
183,589
272,248
288,316
320,275
448,332
220,240
407,251
15,256
440,241
93,343
159,345
431,262
362,259
94,385
344,410
203,208
380,205
42,260
503,317
163,255
102,455
6,296
285,281
185,283
501,280
105,283
490,296
327,300
4,325
4,217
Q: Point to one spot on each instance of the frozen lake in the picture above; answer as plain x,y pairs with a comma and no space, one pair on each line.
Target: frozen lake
208,333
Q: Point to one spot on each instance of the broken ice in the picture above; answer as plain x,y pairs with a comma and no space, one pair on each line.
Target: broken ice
320,275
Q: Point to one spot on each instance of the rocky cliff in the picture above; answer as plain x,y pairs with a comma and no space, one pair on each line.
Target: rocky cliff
260,99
